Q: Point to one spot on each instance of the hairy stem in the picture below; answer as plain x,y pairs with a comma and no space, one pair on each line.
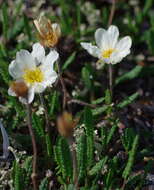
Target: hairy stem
34,164
74,159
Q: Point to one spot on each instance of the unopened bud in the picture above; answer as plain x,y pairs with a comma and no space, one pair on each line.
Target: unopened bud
66,124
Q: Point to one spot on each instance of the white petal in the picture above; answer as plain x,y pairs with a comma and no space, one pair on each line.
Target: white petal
25,60
113,34
99,36
56,28
11,92
92,50
124,44
50,78
30,95
106,42
15,70
38,52
115,58
39,87
49,60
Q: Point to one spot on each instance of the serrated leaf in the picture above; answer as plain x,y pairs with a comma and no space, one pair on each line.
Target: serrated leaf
89,127
96,169
131,158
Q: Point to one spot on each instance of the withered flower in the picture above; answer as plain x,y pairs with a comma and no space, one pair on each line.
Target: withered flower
66,124
48,33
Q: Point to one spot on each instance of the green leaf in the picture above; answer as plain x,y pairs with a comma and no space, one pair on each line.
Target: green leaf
82,156
38,125
63,158
44,184
98,101
86,77
150,39
131,158
5,20
99,110
111,132
128,100
27,165
130,75
18,177
16,29
148,4
69,60
70,187
54,102
89,127
27,27
98,166
127,138
108,99
49,145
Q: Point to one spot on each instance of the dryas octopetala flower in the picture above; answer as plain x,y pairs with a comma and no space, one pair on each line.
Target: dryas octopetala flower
109,49
48,33
32,72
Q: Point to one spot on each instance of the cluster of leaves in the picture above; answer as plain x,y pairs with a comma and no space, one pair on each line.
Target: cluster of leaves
108,152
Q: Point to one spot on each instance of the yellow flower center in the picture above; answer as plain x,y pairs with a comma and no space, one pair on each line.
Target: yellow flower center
107,53
32,76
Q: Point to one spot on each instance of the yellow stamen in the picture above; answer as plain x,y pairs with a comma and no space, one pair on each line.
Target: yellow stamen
32,76
107,53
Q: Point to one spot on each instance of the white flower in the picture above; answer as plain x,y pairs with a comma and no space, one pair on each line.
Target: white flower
34,69
109,49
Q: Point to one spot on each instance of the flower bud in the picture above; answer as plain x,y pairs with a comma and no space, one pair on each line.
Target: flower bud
66,124
19,88
48,33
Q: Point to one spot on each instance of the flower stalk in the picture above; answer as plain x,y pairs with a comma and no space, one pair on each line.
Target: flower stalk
31,132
